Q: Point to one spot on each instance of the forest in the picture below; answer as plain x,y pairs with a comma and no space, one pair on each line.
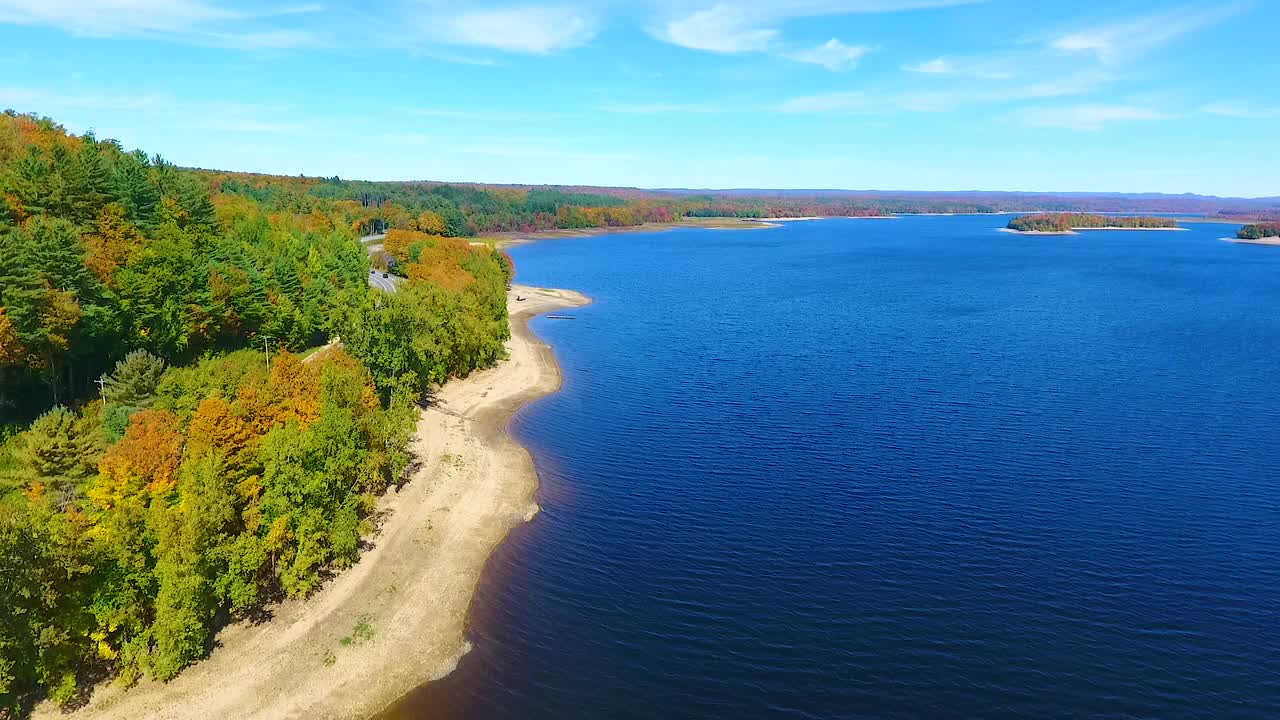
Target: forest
1257,231
1065,222
469,209
183,438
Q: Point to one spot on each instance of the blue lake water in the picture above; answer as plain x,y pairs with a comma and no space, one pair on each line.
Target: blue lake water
910,468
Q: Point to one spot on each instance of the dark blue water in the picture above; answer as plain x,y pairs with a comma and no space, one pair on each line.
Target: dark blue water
906,468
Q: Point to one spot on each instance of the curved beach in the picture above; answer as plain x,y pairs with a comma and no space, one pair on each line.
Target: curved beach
397,618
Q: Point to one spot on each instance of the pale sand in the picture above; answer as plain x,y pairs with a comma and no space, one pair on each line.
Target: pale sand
1077,231
1038,232
1273,240
785,219
413,588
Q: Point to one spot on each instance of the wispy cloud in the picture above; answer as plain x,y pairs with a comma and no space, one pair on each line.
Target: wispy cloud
722,28
213,115
833,55
535,30
987,69
184,20
1242,110
1086,117
739,26
936,66
942,100
1132,37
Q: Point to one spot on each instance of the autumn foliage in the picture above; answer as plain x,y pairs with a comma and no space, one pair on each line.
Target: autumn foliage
171,479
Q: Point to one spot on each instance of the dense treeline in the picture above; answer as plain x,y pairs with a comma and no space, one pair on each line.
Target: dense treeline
1257,231
1065,222
460,210
172,479
184,497
103,251
450,210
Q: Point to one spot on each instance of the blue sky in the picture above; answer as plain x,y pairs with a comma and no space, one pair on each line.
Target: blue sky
859,94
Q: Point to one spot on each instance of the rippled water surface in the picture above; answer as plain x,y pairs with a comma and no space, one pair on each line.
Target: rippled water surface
894,469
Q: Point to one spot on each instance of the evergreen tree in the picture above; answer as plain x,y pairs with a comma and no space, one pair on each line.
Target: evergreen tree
137,192
90,183
134,381
58,450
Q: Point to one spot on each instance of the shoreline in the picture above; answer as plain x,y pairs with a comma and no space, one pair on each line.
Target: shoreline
514,237
470,485
1273,240
1077,231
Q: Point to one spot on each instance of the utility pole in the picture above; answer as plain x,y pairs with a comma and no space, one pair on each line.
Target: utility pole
267,349
102,385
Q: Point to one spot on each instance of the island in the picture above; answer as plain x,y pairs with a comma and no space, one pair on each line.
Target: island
1262,233
1070,223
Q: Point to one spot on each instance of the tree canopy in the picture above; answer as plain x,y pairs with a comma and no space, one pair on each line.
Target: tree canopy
158,476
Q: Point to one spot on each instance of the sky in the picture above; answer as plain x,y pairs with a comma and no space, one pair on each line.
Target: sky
1124,95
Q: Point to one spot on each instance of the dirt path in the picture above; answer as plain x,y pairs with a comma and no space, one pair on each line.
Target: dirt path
402,608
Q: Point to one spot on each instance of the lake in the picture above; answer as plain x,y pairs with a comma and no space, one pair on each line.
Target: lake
894,469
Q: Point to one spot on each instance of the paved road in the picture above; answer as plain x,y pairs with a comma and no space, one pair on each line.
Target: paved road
373,244
388,283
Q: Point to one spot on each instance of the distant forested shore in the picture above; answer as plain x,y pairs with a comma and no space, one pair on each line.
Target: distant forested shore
468,209
1068,222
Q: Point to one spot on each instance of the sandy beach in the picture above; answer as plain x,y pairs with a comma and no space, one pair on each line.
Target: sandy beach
1273,240
397,618
1011,231
1077,231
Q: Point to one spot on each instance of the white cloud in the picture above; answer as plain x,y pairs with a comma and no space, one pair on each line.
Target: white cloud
1242,110
532,30
102,18
271,39
739,26
942,100
1086,117
936,66
1135,36
214,115
722,28
187,20
833,55
989,69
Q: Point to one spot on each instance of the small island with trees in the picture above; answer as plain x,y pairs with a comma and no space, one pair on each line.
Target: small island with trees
1070,223
1262,233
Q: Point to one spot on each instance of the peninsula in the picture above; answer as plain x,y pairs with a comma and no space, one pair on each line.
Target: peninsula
1263,233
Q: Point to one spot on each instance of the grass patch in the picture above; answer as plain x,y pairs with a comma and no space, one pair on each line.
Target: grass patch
361,632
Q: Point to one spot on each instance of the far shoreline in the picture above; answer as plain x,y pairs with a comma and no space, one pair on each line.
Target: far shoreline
511,238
